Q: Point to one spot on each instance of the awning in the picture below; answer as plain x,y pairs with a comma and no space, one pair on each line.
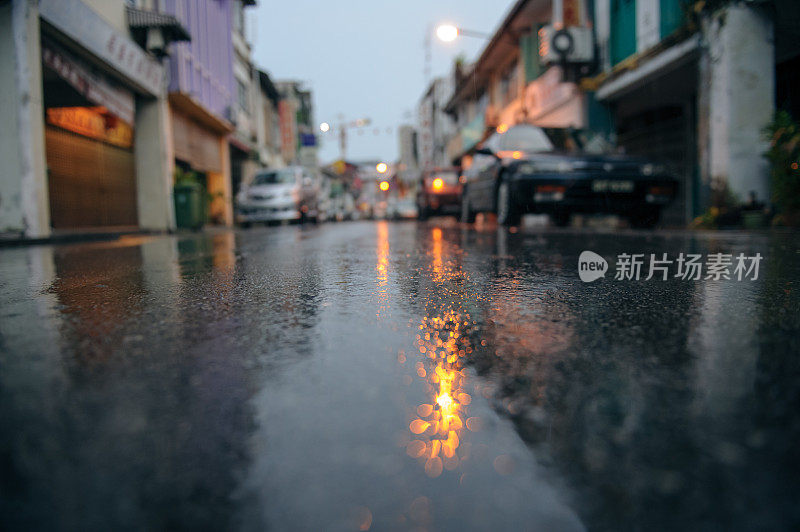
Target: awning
648,68
143,19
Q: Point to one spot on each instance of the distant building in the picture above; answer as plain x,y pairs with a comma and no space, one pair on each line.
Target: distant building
243,150
407,146
296,115
435,126
268,130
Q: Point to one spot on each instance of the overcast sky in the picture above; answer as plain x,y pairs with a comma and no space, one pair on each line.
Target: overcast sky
364,58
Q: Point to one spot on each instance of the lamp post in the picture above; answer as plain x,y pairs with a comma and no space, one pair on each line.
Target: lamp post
342,128
446,33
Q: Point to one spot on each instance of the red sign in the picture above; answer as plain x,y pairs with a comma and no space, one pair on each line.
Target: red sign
91,122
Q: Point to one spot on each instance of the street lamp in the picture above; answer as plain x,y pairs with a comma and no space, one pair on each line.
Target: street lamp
449,33
381,168
324,127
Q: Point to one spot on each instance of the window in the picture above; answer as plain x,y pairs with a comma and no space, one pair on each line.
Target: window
244,104
508,88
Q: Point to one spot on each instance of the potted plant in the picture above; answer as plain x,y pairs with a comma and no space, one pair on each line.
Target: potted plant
783,134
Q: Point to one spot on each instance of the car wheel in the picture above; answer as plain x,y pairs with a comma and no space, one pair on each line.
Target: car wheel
507,214
645,219
467,214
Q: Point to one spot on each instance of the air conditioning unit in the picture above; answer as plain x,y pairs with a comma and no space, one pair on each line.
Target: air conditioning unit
573,44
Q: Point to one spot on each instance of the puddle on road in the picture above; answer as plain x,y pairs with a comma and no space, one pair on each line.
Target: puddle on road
385,427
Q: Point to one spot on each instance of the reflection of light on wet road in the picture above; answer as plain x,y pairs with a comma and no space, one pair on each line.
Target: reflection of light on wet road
382,267
442,344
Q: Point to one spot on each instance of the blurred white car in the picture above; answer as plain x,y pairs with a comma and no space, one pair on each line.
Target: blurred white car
276,195
404,209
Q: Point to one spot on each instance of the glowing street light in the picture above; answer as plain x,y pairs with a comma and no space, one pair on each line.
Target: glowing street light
449,33
324,127
384,185
381,168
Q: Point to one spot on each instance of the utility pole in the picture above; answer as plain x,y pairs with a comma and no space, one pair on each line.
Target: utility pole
343,126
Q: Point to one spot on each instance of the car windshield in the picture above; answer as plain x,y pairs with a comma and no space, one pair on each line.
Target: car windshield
525,138
579,140
274,177
532,139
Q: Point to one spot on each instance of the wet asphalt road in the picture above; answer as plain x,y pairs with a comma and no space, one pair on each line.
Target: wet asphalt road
396,376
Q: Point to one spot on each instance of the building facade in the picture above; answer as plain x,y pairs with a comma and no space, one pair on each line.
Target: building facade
691,84
268,126
202,92
243,151
296,118
85,108
509,83
694,86
435,126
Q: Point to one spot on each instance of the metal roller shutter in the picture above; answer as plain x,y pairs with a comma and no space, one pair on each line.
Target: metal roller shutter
665,135
92,184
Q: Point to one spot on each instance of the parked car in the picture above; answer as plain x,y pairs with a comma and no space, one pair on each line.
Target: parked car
403,209
561,172
275,195
439,192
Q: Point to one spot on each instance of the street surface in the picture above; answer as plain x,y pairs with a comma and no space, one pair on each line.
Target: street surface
396,376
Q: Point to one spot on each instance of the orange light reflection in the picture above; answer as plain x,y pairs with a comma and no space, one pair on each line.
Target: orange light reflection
442,343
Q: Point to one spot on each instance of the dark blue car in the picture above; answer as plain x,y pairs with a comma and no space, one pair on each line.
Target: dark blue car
560,172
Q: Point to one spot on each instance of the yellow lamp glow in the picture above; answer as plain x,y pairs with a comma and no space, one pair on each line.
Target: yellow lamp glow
384,185
381,168
438,183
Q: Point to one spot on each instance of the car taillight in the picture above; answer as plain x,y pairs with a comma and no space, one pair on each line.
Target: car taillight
545,193
660,191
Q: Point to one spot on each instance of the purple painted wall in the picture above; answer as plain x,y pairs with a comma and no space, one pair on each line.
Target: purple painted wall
203,67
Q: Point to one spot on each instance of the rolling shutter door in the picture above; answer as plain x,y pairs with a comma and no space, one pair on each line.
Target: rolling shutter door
92,184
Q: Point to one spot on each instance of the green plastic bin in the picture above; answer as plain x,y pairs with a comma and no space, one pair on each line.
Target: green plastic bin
189,211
